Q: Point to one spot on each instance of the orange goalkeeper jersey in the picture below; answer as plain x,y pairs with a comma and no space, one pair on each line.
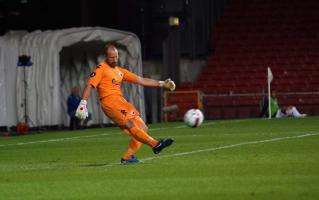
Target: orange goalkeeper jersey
108,80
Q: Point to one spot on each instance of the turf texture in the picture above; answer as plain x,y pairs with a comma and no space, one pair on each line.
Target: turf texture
231,159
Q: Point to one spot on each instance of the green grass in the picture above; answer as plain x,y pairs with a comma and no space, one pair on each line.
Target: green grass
235,159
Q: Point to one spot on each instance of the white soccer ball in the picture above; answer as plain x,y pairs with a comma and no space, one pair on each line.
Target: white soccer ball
194,118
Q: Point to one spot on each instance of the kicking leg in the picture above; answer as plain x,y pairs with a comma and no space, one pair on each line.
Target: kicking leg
140,135
134,144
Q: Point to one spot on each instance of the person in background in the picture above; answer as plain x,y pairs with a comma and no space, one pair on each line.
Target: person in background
73,102
276,111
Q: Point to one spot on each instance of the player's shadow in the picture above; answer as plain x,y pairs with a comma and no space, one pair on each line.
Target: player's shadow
108,164
97,164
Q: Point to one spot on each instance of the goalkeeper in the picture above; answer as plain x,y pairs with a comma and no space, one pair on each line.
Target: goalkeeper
107,78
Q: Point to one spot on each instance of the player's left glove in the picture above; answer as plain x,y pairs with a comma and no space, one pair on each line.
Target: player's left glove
168,84
82,111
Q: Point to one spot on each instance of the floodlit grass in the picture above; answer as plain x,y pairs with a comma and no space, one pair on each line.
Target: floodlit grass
235,159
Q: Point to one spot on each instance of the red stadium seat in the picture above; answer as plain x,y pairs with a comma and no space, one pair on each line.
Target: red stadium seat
263,36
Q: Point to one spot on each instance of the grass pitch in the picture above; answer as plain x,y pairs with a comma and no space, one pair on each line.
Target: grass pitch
235,159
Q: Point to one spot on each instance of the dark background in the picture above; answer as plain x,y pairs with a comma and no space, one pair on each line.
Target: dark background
146,18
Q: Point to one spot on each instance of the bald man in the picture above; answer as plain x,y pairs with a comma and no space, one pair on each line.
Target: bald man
107,78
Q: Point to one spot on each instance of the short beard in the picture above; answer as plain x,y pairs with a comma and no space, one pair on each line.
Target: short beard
114,64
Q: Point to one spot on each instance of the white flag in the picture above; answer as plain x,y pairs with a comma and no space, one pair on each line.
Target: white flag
270,76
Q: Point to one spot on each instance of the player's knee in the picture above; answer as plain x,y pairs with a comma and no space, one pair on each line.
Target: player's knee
140,123
143,127
137,123
130,123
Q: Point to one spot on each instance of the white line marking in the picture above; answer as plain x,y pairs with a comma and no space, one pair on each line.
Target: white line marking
113,133
229,146
219,148
79,137
57,140
183,153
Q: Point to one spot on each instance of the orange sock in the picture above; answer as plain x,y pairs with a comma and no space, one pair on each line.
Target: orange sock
133,146
142,136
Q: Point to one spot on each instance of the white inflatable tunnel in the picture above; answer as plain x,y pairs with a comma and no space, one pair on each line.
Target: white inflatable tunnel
61,59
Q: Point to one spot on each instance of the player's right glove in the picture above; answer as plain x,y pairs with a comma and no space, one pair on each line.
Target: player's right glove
82,111
168,84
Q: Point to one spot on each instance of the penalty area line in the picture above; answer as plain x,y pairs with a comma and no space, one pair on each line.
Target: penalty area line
229,146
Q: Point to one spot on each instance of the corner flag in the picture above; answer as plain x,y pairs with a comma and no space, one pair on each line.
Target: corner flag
270,77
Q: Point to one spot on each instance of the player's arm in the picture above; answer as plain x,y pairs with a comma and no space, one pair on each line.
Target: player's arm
168,84
147,82
87,92
82,111
95,77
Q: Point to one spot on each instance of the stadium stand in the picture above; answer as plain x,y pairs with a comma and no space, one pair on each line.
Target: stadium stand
251,36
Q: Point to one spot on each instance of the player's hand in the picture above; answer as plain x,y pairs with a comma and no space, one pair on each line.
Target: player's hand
82,111
168,84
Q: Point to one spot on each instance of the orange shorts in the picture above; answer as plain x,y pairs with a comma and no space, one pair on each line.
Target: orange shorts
118,109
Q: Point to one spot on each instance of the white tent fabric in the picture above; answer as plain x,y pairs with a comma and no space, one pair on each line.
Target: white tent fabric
9,47
62,59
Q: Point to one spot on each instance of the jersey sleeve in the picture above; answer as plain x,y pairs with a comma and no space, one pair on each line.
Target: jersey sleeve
95,77
129,76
